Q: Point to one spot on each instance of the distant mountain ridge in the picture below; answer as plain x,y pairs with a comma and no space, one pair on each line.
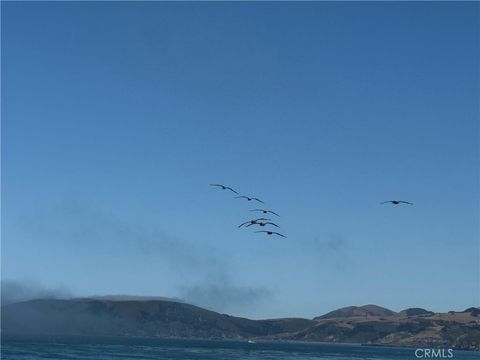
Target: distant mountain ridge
154,318
356,311
369,324
121,297
416,312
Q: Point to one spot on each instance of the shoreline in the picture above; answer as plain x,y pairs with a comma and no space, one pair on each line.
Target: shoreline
243,341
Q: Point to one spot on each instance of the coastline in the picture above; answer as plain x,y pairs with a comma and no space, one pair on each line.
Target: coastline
258,342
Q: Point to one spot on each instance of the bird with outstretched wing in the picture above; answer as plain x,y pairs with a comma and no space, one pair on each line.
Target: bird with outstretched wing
249,198
253,221
266,211
396,202
224,187
263,224
270,233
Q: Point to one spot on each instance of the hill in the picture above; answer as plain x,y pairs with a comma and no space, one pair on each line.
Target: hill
454,330
357,311
155,318
415,312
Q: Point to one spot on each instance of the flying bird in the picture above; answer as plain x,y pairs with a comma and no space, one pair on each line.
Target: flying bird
224,187
253,221
271,233
266,211
396,202
263,224
249,198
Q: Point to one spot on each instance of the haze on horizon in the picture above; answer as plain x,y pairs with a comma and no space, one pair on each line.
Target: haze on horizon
116,117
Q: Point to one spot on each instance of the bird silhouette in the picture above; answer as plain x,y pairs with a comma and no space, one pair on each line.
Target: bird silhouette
396,202
249,198
270,233
253,221
224,187
263,224
266,211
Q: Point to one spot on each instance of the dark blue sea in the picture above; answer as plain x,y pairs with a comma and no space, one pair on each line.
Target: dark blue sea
106,348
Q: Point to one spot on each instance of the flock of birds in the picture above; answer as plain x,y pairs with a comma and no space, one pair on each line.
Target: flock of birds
263,222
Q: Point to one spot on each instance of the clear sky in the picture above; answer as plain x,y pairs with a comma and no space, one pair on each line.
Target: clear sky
116,117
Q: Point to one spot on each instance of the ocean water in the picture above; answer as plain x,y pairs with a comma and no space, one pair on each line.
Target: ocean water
105,348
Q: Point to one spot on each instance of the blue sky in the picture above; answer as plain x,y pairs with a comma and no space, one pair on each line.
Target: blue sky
117,116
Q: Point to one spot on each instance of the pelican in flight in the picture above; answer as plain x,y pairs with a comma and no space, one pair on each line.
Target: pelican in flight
396,202
224,187
270,233
253,221
263,224
266,211
249,198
